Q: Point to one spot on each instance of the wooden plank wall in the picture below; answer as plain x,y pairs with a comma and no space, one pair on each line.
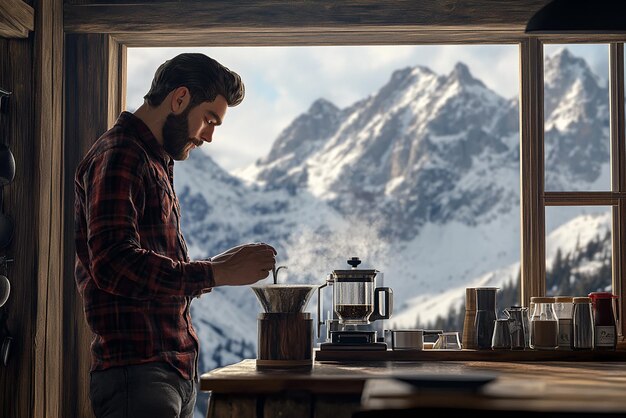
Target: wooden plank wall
32,69
18,130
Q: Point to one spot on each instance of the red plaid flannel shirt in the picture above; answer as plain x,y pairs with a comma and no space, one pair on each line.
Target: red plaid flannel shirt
132,267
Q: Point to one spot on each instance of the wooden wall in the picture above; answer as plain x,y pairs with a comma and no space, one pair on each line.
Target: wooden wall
95,63
32,68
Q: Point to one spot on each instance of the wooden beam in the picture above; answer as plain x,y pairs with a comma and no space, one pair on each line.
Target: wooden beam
93,64
533,263
17,19
48,344
317,16
362,36
582,198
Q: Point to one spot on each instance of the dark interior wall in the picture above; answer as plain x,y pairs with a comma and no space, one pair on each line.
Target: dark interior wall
17,129
32,69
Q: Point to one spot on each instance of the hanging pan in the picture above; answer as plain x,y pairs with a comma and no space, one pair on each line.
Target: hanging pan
7,165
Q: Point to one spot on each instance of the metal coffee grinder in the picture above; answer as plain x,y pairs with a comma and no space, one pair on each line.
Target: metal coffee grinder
356,303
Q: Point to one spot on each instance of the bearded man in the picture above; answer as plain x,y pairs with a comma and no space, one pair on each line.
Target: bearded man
132,267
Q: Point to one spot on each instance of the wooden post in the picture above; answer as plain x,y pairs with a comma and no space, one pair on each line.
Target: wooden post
618,174
93,84
533,264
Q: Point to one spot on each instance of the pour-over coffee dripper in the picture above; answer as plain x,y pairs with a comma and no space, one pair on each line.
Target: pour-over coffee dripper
285,331
275,298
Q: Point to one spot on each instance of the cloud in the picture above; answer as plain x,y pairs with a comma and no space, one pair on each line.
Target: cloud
282,82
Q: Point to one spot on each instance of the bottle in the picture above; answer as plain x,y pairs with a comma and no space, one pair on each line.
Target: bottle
563,308
605,330
544,327
582,325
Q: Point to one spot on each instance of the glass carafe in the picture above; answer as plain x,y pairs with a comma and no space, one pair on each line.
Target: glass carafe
354,299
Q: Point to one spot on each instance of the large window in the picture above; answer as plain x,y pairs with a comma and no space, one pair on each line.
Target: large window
411,164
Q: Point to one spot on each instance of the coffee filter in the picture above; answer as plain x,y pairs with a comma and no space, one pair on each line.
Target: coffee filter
275,298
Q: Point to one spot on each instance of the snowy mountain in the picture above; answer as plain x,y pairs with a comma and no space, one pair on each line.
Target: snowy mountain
420,180
414,149
577,125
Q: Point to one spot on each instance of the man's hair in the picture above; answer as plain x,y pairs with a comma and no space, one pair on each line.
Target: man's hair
203,76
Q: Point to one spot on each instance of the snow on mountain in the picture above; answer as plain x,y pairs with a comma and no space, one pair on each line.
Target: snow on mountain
419,179
569,237
576,123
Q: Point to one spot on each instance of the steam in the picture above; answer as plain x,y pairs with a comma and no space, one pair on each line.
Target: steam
312,254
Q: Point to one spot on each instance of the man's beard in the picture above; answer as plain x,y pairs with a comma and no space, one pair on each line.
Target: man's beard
176,135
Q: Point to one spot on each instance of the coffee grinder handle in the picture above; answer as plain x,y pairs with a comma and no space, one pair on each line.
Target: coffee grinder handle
388,303
320,321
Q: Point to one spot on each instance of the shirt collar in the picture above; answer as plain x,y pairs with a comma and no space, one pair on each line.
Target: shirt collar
145,135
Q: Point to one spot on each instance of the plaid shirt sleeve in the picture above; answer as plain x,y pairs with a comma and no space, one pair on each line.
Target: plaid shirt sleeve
115,196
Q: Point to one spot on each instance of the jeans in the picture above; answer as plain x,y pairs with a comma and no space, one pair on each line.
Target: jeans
151,390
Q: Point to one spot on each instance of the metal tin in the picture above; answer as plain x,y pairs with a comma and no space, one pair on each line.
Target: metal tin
407,339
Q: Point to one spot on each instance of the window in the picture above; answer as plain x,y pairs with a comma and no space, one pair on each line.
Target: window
475,252
578,250
583,200
576,113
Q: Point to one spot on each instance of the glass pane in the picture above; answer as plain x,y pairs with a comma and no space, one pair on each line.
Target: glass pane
578,250
409,160
576,111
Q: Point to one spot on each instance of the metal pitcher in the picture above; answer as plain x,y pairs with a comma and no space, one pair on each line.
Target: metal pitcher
517,327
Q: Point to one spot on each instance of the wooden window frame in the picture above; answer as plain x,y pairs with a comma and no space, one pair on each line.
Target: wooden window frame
97,35
616,197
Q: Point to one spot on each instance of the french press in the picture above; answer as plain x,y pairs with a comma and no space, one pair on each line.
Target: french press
356,301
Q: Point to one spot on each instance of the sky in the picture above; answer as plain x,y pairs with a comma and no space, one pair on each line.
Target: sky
282,82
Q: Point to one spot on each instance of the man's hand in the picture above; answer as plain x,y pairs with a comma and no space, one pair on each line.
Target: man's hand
244,264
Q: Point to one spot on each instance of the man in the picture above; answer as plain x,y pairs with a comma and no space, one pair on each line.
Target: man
132,267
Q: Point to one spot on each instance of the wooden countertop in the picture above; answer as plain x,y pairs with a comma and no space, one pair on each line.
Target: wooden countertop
581,389
373,390
597,378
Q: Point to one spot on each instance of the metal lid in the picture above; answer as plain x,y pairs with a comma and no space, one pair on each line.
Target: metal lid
563,299
541,299
354,274
582,300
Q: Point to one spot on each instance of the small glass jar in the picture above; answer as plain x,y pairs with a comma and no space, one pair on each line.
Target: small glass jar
582,324
605,330
563,308
544,326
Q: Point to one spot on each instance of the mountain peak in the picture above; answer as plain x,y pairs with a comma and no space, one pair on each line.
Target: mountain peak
564,56
461,73
322,106
565,64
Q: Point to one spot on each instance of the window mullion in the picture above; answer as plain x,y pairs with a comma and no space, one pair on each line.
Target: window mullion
618,172
532,257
